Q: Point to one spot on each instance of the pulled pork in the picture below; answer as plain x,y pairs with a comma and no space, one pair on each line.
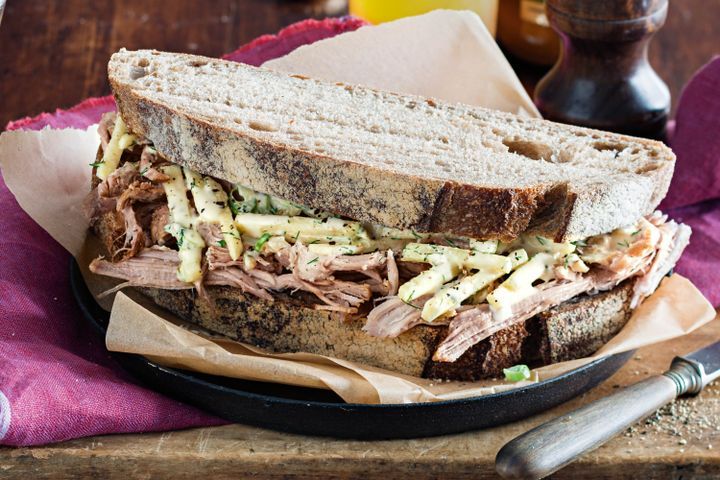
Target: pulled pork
654,251
133,194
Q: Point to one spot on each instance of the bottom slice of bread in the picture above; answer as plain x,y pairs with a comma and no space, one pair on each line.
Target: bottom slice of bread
572,330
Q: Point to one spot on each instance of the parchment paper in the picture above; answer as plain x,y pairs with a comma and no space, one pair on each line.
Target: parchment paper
444,54
60,178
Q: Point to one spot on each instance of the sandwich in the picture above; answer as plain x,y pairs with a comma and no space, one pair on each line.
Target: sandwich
431,239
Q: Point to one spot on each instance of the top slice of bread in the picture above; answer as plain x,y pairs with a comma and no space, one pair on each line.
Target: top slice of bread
399,160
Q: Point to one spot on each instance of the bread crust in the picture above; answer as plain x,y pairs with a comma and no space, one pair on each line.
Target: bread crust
572,330
557,210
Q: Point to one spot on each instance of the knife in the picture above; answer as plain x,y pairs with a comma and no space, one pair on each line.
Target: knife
549,447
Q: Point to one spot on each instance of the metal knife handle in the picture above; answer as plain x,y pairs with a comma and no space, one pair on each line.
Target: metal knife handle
552,445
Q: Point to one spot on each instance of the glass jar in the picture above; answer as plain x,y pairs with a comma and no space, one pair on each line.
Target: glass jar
524,31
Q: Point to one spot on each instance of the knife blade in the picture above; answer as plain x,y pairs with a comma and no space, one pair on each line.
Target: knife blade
549,447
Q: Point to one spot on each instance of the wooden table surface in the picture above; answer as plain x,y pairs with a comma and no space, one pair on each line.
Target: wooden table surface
53,54
680,441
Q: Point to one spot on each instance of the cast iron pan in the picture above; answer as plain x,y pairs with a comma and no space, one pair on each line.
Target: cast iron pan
320,412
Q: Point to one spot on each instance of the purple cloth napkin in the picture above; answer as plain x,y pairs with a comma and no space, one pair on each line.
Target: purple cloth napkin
694,196
57,381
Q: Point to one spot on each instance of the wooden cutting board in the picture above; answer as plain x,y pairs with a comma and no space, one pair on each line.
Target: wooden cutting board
679,441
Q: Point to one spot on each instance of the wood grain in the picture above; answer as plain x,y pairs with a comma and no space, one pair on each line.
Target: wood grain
671,447
54,53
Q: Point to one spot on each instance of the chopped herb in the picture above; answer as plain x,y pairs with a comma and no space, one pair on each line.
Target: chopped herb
296,236
635,232
231,233
193,184
450,242
407,302
314,241
144,171
624,243
579,243
181,238
222,243
395,238
541,240
517,373
96,164
416,235
234,204
314,260
261,241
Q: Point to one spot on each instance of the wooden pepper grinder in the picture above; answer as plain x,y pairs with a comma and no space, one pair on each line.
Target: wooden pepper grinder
602,78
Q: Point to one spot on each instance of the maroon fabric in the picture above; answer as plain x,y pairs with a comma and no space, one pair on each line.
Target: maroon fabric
57,381
696,140
288,39
694,196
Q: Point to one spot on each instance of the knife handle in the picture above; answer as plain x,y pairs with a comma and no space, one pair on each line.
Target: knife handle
552,445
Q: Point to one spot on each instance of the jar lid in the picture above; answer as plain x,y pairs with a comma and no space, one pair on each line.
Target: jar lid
607,10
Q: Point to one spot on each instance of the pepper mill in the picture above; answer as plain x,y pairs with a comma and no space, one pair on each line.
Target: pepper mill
602,78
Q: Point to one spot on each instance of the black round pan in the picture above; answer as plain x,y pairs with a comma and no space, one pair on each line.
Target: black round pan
321,412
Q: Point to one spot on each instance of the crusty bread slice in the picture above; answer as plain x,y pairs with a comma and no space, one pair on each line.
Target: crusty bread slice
572,330
399,160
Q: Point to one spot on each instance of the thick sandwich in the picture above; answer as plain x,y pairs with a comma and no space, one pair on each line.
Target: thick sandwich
436,240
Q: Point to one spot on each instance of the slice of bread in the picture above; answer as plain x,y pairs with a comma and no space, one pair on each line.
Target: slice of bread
571,330
399,160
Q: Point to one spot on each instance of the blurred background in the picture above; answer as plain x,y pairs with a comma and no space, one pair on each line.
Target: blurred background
53,53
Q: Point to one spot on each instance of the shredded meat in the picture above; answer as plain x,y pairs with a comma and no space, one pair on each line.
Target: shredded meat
331,292
210,232
235,277
105,128
159,219
392,273
152,267
674,239
119,181
368,264
134,234
137,192
148,159
393,317
219,257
